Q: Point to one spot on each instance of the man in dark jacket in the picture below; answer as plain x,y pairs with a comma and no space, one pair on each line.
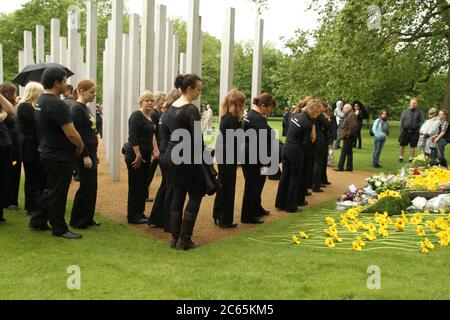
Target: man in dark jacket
348,135
410,123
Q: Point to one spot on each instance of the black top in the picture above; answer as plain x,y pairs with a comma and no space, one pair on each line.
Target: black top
155,115
28,140
85,125
5,138
411,120
51,115
140,133
13,128
332,129
256,121
69,102
164,132
300,130
98,116
286,119
228,122
322,128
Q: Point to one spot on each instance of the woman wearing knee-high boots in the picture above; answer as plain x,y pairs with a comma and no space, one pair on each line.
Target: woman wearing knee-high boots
140,150
160,215
83,209
231,112
256,119
297,142
29,143
186,164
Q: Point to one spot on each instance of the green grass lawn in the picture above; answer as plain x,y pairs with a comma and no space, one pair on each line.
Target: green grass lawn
118,262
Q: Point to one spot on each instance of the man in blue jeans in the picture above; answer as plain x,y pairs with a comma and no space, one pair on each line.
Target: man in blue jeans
381,131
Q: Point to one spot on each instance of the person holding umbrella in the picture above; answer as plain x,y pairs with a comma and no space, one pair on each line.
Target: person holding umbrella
59,144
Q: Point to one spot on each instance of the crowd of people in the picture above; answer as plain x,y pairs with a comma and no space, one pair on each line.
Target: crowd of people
53,133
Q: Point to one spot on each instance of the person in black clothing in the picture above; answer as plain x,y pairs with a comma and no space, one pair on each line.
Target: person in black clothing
83,209
60,143
348,134
187,173
155,115
255,179
410,124
140,151
68,96
286,120
320,153
360,117
332,133
8,90
5,153
231,111
297,141
99,120
29,143
160,215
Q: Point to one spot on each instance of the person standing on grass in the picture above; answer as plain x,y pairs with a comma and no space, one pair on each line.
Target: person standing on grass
410,123
320,153
60,143
256,119
231,112
286,120
340,116
297,142
429,131
348,135
443,138
140,151
381,131
8,90
332,133
155,115
29,143
84,204
6,108
187,174
360,116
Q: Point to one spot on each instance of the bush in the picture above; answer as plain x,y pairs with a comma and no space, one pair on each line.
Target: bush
393,206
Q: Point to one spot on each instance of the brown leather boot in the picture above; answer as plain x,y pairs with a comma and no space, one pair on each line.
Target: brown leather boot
175,226
187,229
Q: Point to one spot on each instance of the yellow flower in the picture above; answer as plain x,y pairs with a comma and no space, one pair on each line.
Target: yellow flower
303,235
442,211
444,241
404,218
330,221
356,246
339,240
352,228
423,247
330,243
389,221
383,232
370,236
429,244
296,240
432,226
417,219
371,228
400,225
330,233
360,241
421,231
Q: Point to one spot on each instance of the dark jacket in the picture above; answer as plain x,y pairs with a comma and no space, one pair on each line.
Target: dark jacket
350,128
411,120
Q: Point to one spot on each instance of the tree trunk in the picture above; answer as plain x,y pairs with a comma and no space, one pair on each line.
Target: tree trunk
447,86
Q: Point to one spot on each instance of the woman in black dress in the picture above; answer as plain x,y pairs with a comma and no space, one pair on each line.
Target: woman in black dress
140,151
29,143
186,165
8,90
256,119
83,209
298,142
160,216
6,109
320,153
231,112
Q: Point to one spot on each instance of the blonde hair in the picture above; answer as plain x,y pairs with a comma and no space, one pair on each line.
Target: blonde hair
313,106
233,98
304,103
32,92
172,97
144,96
159,96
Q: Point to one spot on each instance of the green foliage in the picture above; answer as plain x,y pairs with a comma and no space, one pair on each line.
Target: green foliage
393,206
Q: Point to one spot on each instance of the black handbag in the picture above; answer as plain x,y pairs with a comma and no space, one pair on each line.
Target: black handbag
212,184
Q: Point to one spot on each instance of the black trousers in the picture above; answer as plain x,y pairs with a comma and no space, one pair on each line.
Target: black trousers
225,197
254,185
150,176
5,164
305,174
136,190
160,216
32,185
358,140
325,164
179,198
320,159
14,182
52,202
288,188
85,201
347,154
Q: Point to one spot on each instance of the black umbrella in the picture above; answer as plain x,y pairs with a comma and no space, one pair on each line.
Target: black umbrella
34,73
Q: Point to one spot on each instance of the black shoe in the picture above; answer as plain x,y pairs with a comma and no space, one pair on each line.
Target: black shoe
303,204
377,166
317,190
140,221
256,221
265,213
76,178
149,200
400,160
349,170
410,161
39,229
327,183
338,169
69,235
293,211
95,224
229,226
2,220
